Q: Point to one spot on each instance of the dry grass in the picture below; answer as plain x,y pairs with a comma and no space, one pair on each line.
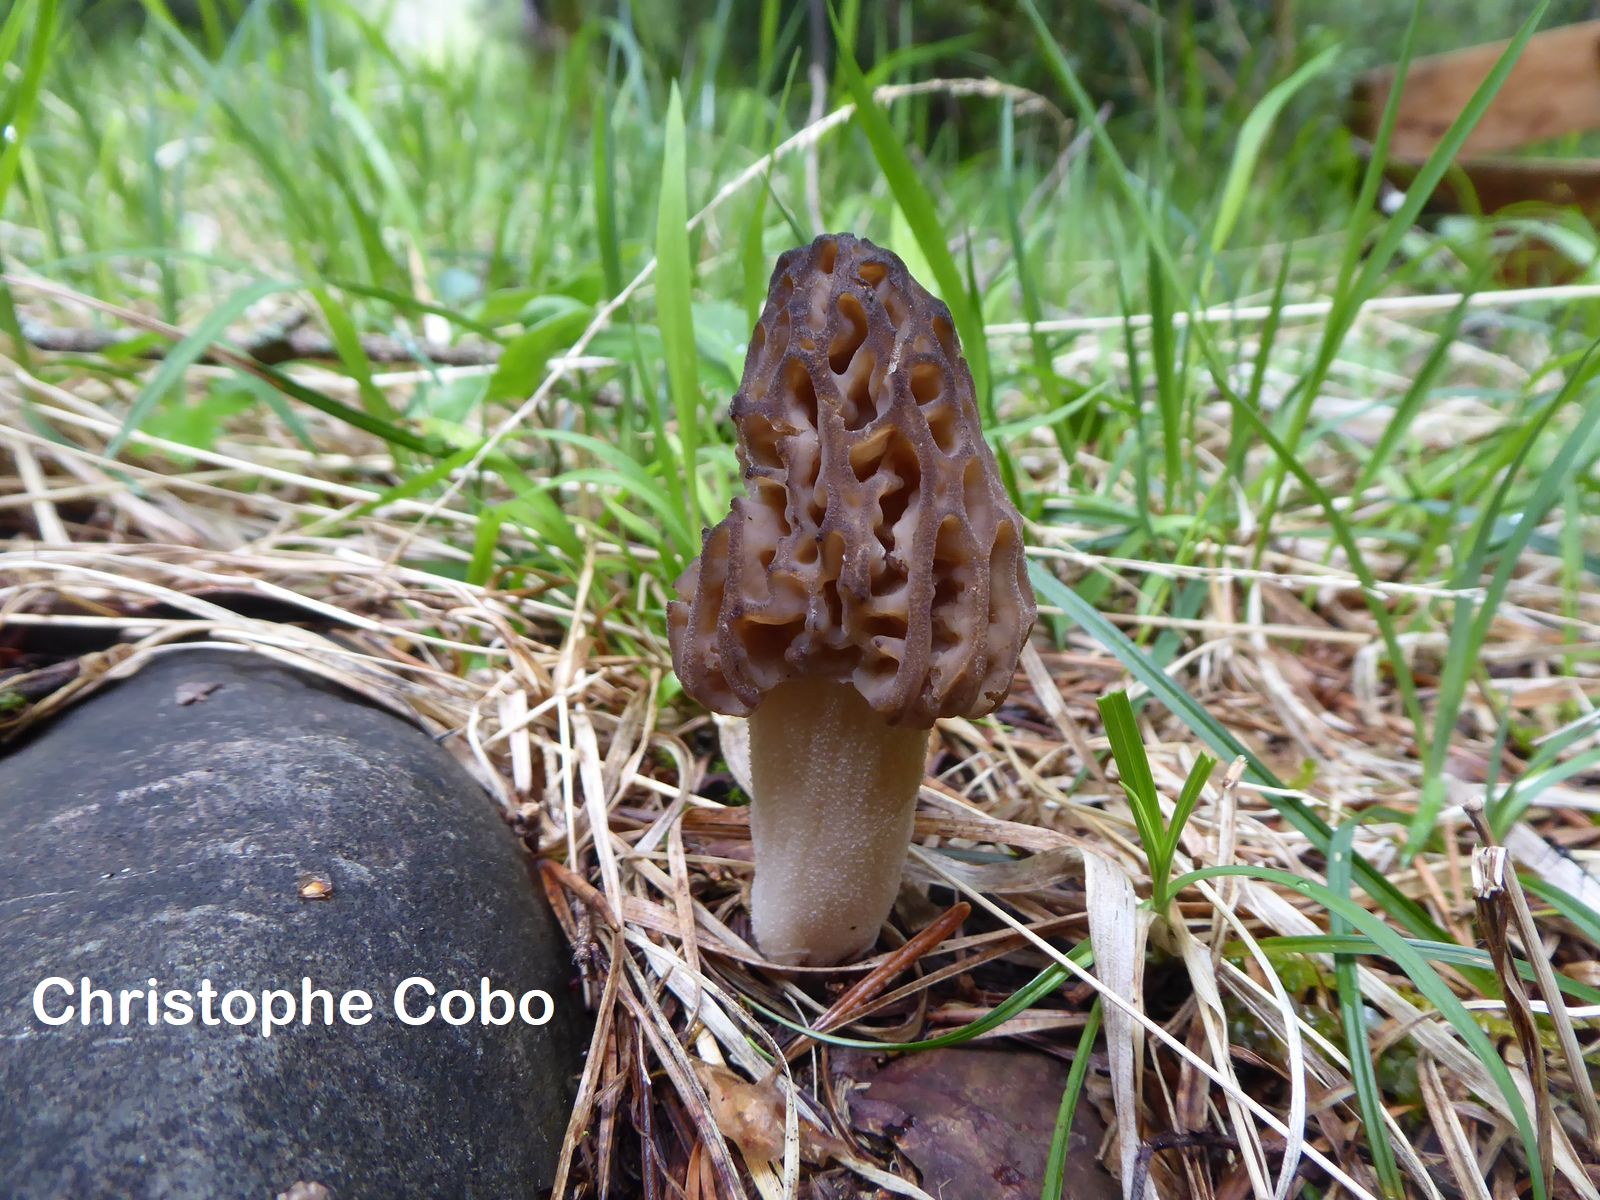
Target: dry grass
1225,1070
552,695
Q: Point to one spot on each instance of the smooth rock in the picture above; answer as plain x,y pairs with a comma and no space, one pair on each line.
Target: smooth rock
220,817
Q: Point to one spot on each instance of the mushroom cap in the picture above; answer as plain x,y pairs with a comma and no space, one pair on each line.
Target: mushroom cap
875,543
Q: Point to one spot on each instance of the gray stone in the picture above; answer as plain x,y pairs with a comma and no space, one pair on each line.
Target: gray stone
180,827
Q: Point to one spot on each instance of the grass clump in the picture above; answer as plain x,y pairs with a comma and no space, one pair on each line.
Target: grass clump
435,356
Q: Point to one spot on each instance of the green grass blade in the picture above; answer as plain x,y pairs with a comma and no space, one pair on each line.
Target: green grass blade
1055,1163
352,354
1206,727
1038,988
1133,767
605,200
188,352
21,100
413,305
1421,973
923,217
1348,300
1346,539
1417,393
1169,378
522,365
416,485
396,436
1467,637
1439,952
629,475
674,311
1193,785
1252,140
1569,906
481,569
1353,1012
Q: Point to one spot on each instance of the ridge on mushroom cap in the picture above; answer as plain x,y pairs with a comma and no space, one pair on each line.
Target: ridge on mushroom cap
875,544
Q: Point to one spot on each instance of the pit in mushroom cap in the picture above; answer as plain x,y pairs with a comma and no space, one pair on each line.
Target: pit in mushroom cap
876,544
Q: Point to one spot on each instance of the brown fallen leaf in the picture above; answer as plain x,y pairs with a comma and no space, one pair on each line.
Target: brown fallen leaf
977,1121
751,1116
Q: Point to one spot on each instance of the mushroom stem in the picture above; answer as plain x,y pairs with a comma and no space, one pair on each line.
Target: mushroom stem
835,793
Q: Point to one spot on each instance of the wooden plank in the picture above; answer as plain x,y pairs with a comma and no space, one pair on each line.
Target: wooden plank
1493,185
1553,90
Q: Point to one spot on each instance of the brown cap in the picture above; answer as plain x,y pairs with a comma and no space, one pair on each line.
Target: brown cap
876,543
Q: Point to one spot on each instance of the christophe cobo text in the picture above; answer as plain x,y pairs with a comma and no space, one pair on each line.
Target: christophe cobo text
414,1001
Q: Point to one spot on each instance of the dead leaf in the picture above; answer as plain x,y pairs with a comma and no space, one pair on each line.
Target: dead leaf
978,1122
751,1115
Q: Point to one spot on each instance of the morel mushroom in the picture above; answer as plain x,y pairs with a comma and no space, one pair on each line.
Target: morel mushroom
869,583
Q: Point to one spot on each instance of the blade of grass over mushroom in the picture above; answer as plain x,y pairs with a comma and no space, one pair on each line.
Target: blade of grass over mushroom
754,255
1213,734
674,312
1418,970
753,249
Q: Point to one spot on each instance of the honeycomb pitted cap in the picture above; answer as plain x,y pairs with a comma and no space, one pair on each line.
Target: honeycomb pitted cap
875,543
